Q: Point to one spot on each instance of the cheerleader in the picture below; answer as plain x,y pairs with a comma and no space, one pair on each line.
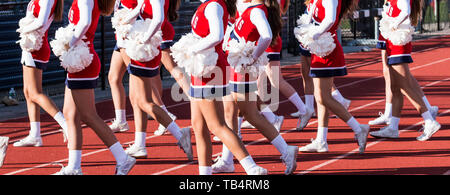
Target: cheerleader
387,114
34,62
170,8
209,23
254,25
141,96
308,86
273,72
327,15
79,98
117,68
404,13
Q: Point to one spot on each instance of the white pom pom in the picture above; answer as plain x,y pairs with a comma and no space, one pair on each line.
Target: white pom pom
121,30
321,47
76,58
195,64
135,47
400,36
31,41
240,58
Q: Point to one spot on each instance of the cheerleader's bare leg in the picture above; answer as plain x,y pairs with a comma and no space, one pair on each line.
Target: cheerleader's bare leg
115,76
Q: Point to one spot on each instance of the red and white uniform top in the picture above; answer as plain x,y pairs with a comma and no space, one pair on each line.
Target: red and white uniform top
147,12
395,7
328,21
201,28
34,8
92,71
129,4
74,18
251,26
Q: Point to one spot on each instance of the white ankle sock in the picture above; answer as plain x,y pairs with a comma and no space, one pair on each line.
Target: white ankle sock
35,129
388,110
174,130
139,138
280,144
247,163
322,134
121,116
268,114
394,122
59,118
118,153
354,125
297,101
427,116
309,99
227,156
425,100
74,160
337,96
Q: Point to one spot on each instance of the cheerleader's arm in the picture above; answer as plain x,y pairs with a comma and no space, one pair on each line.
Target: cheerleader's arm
258,18
134,13
330,17
86,7
214,14
404,6
157,20
43,18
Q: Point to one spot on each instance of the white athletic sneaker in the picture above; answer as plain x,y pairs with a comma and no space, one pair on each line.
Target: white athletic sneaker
362,138
381,120
385,132
429,130
185,142
257,170
116,126
304,119
125,168
220,166
278,123
315,146
247,125
290,159
297,114
3,147
161,129
66,171
29,141
136,151
434,111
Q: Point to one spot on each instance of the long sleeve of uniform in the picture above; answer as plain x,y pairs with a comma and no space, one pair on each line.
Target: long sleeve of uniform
85,7
404,6
157,20
258,18
214,14
134,13
330,16
43,18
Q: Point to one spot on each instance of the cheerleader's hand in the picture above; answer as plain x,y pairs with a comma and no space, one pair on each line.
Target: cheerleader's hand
316,36
394,26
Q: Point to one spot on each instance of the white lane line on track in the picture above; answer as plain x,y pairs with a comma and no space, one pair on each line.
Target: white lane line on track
101,150
313,122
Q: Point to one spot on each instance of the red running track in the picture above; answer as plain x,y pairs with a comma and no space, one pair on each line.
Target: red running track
364,86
